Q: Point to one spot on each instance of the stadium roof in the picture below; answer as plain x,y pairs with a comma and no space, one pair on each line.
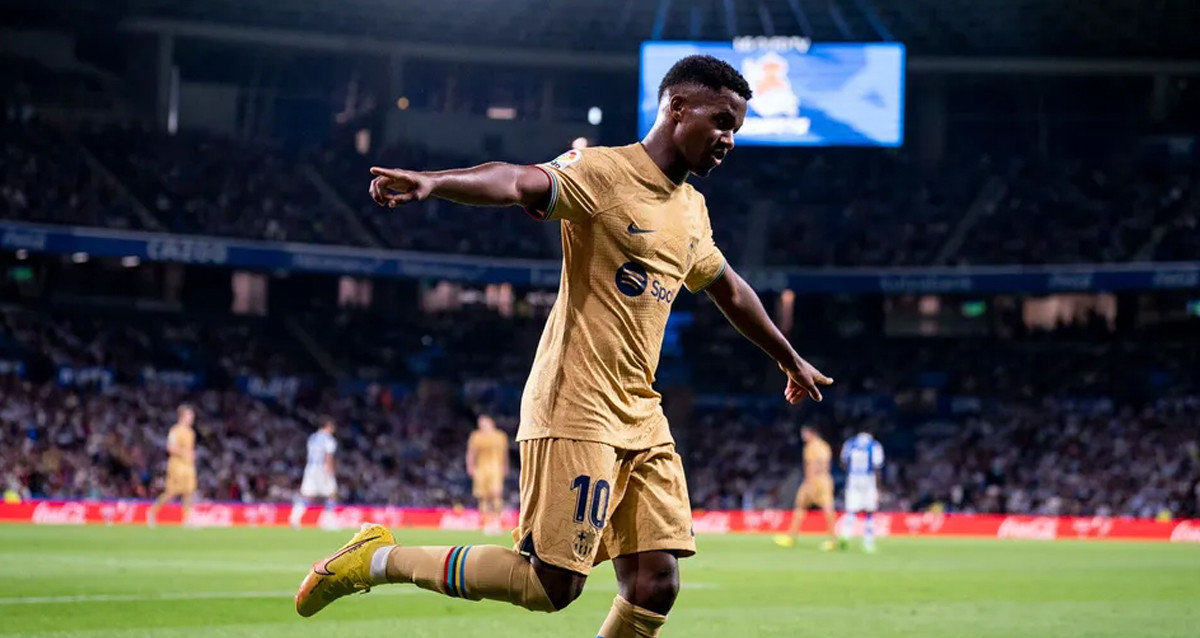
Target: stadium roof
1080,28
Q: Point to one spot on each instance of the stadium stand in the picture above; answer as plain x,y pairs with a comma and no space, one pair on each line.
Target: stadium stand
1091,419
1040,430
46,180
831,208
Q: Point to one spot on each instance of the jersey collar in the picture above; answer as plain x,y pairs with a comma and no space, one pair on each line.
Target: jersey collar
648,169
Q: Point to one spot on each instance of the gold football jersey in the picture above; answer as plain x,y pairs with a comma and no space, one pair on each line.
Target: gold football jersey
631,239
817,457
183,437
490,449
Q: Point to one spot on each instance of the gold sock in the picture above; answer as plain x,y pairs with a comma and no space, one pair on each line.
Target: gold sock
473,572
627,620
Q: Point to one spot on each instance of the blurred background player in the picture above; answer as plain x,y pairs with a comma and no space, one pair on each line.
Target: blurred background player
862,456
319,480
815,490
181,465
487,465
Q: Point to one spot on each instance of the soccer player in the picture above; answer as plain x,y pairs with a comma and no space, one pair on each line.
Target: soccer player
181,465
319,479
862,456
487,465
815,490
600,478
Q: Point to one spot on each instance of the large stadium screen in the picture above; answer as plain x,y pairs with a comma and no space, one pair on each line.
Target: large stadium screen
804,94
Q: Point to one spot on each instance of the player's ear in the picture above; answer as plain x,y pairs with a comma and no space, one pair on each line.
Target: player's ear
676,105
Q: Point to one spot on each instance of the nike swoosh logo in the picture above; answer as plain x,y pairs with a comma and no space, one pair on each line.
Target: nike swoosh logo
322,568
637,231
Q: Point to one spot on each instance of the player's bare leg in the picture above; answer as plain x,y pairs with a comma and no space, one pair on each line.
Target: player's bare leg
186,507
299,507
474,572
831,525
152,513
327,520
485,514
793,533
491,508
869,534
647,584
849,522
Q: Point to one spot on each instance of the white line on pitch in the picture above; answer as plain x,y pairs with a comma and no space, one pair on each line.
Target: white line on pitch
231,595
132,598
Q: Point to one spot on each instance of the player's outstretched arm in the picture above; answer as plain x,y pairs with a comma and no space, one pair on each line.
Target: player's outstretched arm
742,307
491,184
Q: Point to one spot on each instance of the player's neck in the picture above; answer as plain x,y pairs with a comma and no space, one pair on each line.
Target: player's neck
658,146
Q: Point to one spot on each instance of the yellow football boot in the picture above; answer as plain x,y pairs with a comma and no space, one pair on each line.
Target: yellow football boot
783,540
346,571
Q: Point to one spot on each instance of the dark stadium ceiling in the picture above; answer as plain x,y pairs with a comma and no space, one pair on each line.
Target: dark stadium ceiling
1078,28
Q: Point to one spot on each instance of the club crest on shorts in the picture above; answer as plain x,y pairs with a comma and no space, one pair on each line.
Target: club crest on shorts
566,159
584,542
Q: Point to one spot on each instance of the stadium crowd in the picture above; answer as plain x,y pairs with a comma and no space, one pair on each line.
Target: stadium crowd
1060,440
822,209
109,444
44,180
1106,429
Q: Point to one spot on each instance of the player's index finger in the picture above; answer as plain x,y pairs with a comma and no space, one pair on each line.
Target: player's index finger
384,172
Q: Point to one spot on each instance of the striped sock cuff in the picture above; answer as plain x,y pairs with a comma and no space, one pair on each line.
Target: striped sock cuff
454,571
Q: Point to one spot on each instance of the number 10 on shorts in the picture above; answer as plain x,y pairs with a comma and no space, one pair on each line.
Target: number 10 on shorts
597,512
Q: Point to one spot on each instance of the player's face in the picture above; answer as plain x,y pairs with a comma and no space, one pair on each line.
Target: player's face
486,424
707,121
187,416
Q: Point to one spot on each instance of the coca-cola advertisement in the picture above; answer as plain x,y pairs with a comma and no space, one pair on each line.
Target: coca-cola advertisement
1034,528
1030,528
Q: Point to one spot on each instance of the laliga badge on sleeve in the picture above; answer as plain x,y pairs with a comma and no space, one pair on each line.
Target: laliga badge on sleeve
566,159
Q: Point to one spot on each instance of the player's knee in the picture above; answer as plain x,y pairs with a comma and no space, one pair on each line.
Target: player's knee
651,581
562,587
657,589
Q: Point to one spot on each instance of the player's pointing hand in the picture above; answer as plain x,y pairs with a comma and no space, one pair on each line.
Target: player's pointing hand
393,187
803,380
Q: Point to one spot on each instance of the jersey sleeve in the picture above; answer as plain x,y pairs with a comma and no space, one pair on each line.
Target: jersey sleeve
877,455
330,446
172,437
708,263
580,182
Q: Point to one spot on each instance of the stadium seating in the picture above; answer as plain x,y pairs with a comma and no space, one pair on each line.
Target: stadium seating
202,184
46,180
970,426
834,208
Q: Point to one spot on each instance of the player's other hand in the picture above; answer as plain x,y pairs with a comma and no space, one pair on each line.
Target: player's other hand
393,187
803,380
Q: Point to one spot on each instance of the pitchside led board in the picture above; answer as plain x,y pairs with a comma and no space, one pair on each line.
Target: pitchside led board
804,94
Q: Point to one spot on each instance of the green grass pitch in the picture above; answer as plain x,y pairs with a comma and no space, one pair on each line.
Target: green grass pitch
121,582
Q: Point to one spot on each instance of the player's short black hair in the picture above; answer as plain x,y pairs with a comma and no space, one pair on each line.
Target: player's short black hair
706,71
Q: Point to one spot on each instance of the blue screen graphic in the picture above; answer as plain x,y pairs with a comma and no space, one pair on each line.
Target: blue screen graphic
830,95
